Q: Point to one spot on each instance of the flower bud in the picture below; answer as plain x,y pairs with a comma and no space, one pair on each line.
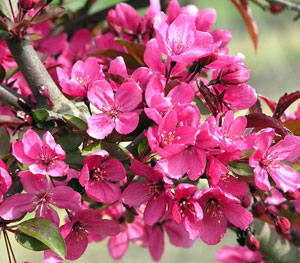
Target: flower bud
276,9
251,242
283,225
234,74
246,201
26,4
258,209
293,195
208,59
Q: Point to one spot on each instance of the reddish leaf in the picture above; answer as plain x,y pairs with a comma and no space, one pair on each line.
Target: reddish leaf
261,121
248,19
293,126
284,102
271,104
256,108
47,13
136,50
129,60
10,120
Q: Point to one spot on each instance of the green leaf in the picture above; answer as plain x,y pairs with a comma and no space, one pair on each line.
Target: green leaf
40,115
76,122
30,242
91,148
240,168
69,141
33,37
74,159
142,145
115,151
4,142
49,12
46,232
2,73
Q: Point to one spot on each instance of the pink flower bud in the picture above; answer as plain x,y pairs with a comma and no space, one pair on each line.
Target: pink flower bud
293,195
246,201
234,75
283,225
252,242
258,209
208,59
276,9
26,4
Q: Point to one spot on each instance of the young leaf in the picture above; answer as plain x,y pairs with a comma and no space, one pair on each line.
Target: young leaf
91,148
40,115
30,242
284,102
248,19
241,168
75,122
46,232
69,141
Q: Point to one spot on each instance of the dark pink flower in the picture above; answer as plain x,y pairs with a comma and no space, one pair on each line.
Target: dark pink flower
96,175
40,194
5,180
42,156
151,191
233,74
117,110
186,209
219,208
266,161
84,223
238,254
84,73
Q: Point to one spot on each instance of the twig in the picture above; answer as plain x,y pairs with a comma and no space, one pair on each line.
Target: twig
10,98
292,5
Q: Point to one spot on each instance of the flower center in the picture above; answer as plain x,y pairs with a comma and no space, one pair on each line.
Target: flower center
99,173
155,188
81,232
83,80
168,138
186,207
213,209
47,157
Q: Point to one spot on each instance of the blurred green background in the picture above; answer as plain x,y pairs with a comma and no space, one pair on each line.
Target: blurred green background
275,69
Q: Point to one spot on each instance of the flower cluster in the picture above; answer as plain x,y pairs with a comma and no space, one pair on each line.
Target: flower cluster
166,147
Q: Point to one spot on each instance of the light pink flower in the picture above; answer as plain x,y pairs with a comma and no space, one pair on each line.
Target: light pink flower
96,174
40,194
266,161
219,208
42,156
117,110
5,180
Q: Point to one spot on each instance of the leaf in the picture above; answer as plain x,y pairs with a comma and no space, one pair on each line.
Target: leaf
284,102
10,120
91,148
241,168
74,159
129,60
75,122
33,37
69,141
248,19
137,50
6,8
142,145
30,242
293,126
46,232
115,151
2,73
40,115
261,121
49,12
4,142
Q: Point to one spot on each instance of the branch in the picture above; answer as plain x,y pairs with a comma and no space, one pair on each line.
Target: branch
36,75
273,247
10,98
288,4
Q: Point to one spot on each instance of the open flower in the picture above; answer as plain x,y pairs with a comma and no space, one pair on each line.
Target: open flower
42,156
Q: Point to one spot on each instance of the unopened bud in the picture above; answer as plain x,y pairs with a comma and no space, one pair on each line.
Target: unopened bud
234,74
276,9
208,59
258,209
251,242
246,201
283,225
26,4
292,195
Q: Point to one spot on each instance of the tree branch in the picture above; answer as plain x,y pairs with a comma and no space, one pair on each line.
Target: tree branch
11,98
36,76
289,4
273,247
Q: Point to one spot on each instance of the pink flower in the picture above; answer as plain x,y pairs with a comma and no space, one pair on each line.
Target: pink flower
151,191
84,73
219,208
96,174
42,156
5,180
117,110
40,194
233,74
180,40
168,139
186,209
266,161
238,254
84,223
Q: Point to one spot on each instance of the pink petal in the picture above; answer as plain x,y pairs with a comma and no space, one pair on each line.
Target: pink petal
128,96
32,144
156,242
118,67
115,170
127,122
135,194
100,125
237,215
33,183
76,244
66,197
58,169
184,190
103,191
155,209
18,152
261,179
16,205
205,19
118,245
45,211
